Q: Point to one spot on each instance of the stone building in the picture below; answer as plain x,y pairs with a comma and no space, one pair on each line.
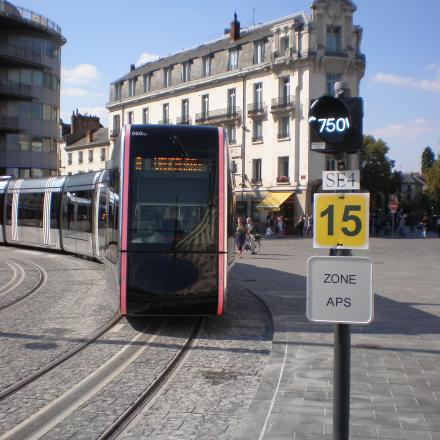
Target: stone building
85,148
30,54
256,83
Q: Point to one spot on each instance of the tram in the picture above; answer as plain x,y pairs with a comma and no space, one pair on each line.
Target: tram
160,218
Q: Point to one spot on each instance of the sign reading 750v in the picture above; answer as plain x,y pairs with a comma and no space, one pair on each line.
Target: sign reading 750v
341,220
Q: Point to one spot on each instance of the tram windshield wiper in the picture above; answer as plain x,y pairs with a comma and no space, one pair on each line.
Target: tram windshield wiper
178,145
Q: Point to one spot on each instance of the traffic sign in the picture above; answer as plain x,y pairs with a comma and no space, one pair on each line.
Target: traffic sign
340,180
340,289
393,206
341,220
336,124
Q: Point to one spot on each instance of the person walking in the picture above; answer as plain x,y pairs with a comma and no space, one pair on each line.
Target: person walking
309,226
240,235
300,224
250,230
280,223
424,225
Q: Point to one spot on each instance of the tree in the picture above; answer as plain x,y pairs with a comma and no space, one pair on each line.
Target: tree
428,159
377,175
433,182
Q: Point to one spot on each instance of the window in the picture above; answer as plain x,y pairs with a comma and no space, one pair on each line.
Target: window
332,79
118,90
116,124
330,165
167,77
283,127
37,144
258,52
132,86
25,109
47,112
232,108
30,209
256,171
147,82
47,145
166,113
284,44
37,78
69,158
283,169
185,71
80,157
130,118
90,156
103,155
233,59
258,96
37,110
257,130
207,60
77,211
24,142
231,130
284,89
205,106
24,173
145,115
333,39
185,110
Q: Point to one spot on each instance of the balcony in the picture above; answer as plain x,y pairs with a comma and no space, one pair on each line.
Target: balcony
335,52
9,124
283,135
114,133
23,16
218,116
257,109
283,104
257,139
257,182
183,120
165,122
12,89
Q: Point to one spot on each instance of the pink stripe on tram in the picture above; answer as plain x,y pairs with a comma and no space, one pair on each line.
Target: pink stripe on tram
221,221
123,283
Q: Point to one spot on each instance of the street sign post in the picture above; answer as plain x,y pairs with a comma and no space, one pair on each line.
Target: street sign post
340,180
393,206
341,221
339,290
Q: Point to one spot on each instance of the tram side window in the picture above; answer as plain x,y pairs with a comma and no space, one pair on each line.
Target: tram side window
2,204
79,212
30,209
9,209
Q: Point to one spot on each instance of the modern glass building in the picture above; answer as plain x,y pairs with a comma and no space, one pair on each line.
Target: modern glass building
30,64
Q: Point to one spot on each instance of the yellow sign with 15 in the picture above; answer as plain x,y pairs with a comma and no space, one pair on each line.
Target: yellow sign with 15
341,220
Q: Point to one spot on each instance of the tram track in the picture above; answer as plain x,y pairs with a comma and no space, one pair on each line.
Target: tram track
56,411
17,280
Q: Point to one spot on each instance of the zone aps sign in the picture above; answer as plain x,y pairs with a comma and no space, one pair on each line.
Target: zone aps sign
340,290
341,220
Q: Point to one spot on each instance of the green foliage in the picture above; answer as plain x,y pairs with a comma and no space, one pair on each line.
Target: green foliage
433,182
377,174
428,159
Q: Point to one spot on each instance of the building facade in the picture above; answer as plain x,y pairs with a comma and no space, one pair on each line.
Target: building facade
30,49
257,84
85,147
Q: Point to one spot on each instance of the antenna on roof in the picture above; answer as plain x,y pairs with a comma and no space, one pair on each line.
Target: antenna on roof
253,15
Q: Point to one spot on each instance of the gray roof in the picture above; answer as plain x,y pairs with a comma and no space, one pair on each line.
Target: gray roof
412,179
100,137
246,35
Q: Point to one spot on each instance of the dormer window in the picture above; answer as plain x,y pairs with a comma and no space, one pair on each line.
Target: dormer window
132,86
185,71
284,44
147,82
118,88
167,77
233,59
258,52
207,61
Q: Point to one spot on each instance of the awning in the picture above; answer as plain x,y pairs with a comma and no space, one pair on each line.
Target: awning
274,200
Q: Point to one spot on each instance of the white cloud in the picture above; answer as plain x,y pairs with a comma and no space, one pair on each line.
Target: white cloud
145,58
80,74
411,129
431,85
71,91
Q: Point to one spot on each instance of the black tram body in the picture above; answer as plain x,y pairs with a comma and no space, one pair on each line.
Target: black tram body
160,218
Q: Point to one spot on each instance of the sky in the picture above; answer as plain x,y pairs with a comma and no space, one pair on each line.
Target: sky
401,41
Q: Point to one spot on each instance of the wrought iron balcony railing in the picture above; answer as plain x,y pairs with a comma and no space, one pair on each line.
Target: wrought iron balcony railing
114,133
283,103
283,135
164,121
183,120
257,138
218,115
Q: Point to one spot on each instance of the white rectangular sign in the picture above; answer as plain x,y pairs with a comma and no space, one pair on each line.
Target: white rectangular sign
235,152
340,180
340,290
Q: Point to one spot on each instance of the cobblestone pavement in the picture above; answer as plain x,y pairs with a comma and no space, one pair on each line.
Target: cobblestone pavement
69,308
395,369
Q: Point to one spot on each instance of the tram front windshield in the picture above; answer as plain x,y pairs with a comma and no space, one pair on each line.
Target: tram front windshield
173,202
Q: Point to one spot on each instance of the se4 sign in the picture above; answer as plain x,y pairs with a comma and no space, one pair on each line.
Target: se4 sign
340,180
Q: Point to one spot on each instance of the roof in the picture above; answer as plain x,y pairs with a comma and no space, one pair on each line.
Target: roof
412,179
100,137
246,35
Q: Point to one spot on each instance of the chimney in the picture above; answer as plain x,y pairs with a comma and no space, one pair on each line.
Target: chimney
235,28
132,67
89,136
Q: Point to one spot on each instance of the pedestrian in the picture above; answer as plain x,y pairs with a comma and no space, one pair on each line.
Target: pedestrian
250,231
280,223
300,225
401,220
424,225
309,226
240,235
